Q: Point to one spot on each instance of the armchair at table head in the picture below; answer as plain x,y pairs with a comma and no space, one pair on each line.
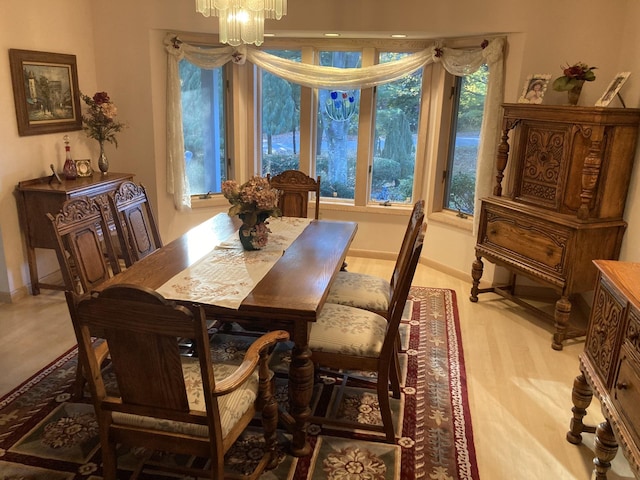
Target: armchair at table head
294,187
165,401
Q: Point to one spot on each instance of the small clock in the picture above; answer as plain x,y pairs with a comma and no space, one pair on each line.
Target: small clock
84,168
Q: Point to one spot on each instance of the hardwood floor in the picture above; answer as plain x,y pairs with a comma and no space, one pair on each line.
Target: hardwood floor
519,388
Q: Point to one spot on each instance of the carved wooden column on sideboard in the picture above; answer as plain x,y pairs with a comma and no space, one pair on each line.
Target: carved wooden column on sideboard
39,196
569,173
610,367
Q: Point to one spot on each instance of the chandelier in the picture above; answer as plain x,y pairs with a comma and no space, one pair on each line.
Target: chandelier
242,21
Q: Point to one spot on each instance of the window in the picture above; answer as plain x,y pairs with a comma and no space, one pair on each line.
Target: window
460,173
280,120
204,127
385,140
395,135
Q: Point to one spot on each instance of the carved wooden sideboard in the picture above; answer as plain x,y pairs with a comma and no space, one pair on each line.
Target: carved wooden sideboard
40,196
569,173
610,366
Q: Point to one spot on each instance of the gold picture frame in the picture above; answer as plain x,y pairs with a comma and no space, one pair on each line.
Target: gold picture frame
83,166
45,92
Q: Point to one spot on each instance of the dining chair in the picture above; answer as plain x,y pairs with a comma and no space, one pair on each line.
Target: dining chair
349,338
80,248
84,248
135,222
294,187
164,401
373,293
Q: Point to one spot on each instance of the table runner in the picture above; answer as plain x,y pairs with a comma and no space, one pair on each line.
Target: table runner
228,273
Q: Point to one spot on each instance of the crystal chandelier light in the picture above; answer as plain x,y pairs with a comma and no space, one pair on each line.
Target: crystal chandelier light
242,21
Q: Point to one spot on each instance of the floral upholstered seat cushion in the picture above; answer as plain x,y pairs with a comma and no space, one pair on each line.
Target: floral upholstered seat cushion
360,290
231,406
348,330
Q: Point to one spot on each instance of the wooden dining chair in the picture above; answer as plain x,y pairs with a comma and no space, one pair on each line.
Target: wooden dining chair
373,293
349,338
167,402
83,245
294,188
135,222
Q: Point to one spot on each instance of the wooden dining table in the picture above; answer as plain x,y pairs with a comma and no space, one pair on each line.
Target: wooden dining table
289,296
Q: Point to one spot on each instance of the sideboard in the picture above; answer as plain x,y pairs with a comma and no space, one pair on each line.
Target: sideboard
610,367
39,196
563,206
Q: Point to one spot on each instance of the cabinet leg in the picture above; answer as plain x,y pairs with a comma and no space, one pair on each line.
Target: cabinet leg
606,448
33,270
581,396
476,273
562,311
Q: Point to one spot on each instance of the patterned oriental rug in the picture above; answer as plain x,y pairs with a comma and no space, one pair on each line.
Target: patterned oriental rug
44,435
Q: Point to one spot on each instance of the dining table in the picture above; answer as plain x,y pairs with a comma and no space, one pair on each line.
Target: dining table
280,287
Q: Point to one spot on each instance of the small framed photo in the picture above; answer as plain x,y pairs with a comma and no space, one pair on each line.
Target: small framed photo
45,92
534,88
613,89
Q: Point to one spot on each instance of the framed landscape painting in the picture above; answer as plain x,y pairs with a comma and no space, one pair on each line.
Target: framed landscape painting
45,92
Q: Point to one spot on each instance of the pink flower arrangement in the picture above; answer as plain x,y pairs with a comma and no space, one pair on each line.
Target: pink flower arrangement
254,201
574,75
99,121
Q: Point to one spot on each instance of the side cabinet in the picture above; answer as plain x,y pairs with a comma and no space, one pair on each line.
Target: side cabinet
563,201
39,196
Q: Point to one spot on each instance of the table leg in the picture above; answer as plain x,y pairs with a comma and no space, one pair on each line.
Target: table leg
581,396
606,449
300,393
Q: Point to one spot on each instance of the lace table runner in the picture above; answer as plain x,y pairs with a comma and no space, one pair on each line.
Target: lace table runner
227,274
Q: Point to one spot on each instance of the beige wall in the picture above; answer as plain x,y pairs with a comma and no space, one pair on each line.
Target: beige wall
119,49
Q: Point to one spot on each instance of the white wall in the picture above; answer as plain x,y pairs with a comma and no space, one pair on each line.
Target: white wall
119,49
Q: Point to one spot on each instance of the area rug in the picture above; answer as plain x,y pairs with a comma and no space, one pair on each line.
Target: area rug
45,435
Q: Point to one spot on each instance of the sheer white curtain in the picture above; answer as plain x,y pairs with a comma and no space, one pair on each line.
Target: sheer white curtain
456,61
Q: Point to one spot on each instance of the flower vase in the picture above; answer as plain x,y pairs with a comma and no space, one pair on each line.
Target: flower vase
103,162
254,237
574,93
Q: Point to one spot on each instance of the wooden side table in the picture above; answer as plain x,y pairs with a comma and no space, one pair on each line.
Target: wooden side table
610,368
39,196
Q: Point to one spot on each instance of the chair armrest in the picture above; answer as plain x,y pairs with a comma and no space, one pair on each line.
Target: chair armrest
250,361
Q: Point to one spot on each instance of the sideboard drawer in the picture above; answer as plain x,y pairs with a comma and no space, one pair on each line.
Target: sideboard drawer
524,240
626,391
633,329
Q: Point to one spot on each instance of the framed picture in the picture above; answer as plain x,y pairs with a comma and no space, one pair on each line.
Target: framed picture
45,92
613,89
534,88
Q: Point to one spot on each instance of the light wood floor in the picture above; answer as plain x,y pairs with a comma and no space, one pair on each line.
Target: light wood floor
519,388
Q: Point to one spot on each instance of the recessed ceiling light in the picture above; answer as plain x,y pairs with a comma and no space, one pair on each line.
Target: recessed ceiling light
331,34
398,35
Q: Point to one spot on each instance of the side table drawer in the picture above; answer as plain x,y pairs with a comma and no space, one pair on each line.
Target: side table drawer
524,241
626,391
633,329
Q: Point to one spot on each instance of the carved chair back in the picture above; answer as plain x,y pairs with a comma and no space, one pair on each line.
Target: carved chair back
294,187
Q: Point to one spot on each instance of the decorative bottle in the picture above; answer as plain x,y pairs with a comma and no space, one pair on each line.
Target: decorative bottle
69,169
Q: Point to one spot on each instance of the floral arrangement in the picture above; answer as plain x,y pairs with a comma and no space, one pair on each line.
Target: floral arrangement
573,75
253,201
99,122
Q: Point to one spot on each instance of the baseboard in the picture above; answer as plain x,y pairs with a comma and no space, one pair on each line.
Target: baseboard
16,295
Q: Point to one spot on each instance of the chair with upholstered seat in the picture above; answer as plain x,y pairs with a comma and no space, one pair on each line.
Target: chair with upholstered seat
164,401
349,338
135,222
373,293
294,188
